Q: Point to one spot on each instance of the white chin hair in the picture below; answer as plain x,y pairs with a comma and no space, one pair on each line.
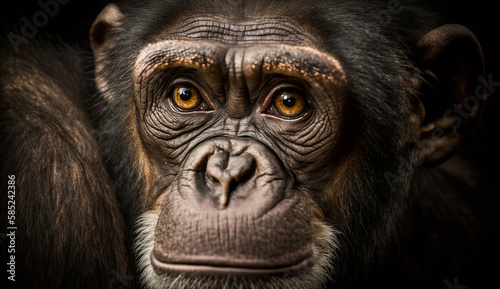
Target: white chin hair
324,249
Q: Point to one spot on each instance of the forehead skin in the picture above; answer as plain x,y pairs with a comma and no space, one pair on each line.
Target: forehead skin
271,29
293,43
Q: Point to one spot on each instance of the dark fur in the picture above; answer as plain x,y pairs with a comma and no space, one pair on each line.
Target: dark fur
72,234
70,231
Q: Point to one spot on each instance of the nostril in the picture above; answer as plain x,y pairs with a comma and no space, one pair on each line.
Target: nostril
243,170
232,186
214,179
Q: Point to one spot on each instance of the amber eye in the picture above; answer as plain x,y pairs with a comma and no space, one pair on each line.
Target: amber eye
186,97
289,104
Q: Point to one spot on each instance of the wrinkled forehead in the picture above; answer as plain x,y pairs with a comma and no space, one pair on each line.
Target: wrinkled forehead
236,23
259,30
243,39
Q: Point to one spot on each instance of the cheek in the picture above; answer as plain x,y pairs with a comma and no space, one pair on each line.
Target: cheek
168,138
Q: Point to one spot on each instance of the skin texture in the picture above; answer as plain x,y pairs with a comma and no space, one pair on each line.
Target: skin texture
253,144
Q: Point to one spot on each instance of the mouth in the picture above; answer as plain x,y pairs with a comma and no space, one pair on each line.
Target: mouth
229,268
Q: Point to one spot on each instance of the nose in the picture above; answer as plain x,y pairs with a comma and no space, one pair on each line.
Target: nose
225,172
232,175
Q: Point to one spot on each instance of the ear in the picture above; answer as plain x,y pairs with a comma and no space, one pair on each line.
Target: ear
102,37
452,65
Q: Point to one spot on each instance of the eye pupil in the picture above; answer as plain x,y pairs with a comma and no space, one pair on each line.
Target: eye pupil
187,98
289,104
288,100
185,94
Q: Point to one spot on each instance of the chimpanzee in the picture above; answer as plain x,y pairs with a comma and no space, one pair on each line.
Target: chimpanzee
246,144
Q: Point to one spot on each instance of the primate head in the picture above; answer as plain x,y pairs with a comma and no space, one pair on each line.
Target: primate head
274,144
